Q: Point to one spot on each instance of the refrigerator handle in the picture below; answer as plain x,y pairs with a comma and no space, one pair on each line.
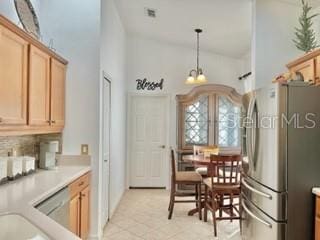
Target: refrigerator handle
249,132
255,134
254,216
255,190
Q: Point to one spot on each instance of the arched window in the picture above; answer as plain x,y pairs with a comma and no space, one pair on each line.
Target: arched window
209,115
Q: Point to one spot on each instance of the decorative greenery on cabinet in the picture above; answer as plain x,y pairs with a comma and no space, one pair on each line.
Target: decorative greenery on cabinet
305,35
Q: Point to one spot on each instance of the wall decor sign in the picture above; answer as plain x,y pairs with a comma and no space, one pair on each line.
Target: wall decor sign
144,84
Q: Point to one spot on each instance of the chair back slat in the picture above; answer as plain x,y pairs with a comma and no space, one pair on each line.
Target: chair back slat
225,169
173,165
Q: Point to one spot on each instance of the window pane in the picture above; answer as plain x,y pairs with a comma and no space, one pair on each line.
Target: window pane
196,122
229,126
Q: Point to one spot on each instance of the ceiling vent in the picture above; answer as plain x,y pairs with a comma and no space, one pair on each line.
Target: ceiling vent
151,12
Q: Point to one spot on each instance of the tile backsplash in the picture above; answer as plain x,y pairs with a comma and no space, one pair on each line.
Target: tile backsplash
26,145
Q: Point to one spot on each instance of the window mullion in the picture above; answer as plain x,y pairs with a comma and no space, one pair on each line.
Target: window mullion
211,110
216,127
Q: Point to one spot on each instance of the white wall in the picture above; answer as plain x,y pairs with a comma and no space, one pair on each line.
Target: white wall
113,63
274,23
316,23
248,83
8,9
154,60
75,28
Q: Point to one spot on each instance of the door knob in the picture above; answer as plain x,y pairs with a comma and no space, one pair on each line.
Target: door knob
106,160
163,146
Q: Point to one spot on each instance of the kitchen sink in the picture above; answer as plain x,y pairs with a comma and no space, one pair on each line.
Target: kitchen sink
14,226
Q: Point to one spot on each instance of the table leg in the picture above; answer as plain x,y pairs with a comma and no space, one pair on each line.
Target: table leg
195,210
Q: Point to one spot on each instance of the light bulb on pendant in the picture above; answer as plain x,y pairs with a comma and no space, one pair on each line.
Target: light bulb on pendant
201,78
190,80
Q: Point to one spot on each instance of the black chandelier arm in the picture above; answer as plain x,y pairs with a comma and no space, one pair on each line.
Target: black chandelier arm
198,49
198,31
193,71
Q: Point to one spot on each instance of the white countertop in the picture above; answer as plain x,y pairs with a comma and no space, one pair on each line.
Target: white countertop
316,191
21,195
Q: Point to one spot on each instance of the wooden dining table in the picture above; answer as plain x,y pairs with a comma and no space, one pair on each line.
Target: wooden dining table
197,160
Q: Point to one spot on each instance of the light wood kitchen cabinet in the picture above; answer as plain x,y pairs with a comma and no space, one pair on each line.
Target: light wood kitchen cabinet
317,219
39,87
32,80
75,215
46,89
13,79
80,206
317,233
58,76
317,64
85,213
307,69
309,66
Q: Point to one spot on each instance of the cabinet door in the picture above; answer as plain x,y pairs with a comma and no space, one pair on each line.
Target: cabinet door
317,219
58,76
39,87
307,69
13,78
85,213
317,233
317,79
75,215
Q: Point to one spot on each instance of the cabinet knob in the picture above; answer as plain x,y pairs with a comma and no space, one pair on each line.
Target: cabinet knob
53,121
1,120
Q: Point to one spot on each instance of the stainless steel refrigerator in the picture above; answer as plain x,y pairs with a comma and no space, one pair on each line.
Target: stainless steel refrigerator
281,164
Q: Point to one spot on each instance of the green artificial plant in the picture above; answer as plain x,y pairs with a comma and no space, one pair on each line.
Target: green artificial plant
305,35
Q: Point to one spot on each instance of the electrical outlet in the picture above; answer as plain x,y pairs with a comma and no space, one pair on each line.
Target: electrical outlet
84,149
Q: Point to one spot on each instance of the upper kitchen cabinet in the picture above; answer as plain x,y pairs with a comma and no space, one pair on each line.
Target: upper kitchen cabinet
309,66
39,88
13,78
32,80
46,90
307,69
58,76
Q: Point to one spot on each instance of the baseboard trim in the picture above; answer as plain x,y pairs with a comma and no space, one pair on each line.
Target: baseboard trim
147,188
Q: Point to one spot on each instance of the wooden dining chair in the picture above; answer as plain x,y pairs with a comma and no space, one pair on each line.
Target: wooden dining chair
188,178
222,186
200,149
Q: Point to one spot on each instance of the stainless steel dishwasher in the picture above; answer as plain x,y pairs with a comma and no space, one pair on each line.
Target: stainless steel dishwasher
57,207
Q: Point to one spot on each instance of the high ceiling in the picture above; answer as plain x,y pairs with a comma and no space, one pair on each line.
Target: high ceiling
226,23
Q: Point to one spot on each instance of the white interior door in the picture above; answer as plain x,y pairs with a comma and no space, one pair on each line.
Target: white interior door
106,150
148,141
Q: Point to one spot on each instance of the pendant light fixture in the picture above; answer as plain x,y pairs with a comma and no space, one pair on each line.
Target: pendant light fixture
196,76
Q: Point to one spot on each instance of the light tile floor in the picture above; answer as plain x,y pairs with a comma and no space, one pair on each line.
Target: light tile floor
143,215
